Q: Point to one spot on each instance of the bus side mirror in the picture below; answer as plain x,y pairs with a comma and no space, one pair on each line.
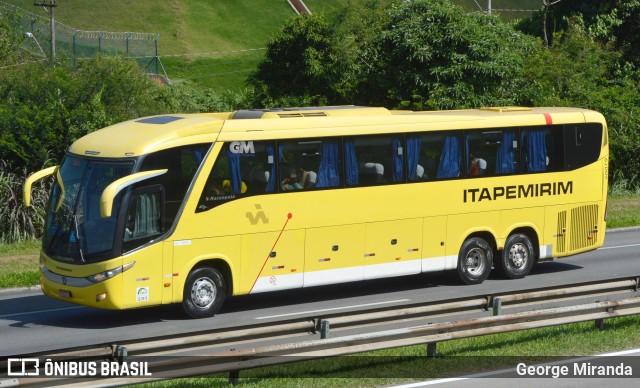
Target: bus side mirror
36,176
110,192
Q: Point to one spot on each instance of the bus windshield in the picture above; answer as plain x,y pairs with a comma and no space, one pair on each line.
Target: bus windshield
74,231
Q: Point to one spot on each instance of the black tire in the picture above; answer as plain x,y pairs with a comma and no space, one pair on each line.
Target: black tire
518,256
204,292
474,261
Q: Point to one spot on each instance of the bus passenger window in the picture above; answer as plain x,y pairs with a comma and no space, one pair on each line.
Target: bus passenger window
308,164
243,168
374,160
492,152
542,149
182,164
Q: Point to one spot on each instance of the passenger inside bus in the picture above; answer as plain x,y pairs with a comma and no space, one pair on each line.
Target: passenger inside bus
292,182
308,178
371,172
477,167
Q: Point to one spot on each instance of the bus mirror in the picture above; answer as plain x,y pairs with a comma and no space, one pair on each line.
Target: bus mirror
26,198
110,192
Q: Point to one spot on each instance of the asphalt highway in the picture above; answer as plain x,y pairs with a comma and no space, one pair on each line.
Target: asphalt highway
33,323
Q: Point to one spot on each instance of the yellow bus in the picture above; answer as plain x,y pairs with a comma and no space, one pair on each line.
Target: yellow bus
194,208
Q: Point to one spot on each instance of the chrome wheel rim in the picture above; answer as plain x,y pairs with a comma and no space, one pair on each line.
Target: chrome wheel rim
203,293
475,261
518,256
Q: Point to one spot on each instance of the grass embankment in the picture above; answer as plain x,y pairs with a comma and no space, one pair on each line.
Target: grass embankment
623,211
19,262
204,43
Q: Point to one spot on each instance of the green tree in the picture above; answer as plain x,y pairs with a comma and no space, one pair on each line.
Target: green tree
299,65
422,54
610,21
578,70
43,109
436,56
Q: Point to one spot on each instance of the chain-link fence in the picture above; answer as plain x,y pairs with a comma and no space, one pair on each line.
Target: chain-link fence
72,44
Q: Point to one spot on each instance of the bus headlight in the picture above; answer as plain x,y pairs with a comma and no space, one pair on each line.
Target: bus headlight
102,276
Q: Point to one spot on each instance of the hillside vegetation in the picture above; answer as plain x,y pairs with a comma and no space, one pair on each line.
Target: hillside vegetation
210,44
200,41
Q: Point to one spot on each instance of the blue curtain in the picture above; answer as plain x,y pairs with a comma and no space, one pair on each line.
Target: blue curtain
398,163
351,163
271,184
467,153
536,150
234,172
329,174
449,166
198,155
505,155
413,154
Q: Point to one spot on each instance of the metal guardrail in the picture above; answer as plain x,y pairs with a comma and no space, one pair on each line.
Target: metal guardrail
163,354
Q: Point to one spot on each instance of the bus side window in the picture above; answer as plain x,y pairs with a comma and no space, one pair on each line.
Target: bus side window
542,149
241,169
423,155
257,167
582,144
492,152
307,164
182,164
374,160
145,216
450,157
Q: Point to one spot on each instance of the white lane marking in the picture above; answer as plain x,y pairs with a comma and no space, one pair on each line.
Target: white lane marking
621,246
333,309
41,311
488,374
621,353
432,382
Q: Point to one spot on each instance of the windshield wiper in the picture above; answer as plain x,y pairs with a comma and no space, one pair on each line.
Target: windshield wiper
78,237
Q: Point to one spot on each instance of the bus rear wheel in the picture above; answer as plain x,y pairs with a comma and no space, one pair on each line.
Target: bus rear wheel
475,260
517,256
204,292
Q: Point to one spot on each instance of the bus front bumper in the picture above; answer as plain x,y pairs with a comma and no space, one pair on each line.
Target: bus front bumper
78,290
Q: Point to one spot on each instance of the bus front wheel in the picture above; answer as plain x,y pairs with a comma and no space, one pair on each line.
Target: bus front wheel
475,260
517,256
204,292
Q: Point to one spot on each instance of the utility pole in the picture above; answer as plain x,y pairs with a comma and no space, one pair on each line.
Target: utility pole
50,6
488,7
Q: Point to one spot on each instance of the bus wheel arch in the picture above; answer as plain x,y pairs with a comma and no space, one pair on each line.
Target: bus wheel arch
519,254
476,257
206,288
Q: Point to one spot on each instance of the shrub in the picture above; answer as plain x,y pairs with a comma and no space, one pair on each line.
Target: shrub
17,222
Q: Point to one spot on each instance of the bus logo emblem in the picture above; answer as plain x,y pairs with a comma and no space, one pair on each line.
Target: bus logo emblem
259,216
242,147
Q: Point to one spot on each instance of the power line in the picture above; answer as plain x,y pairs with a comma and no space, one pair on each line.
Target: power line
515,10
22,64
217,74
215,53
